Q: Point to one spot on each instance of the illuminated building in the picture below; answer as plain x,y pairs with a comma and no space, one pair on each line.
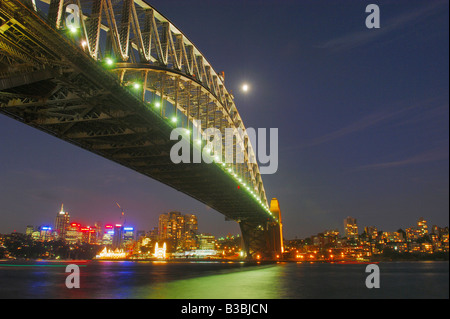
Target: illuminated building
36,235
111,254
412,234
73,234
422,227
88,235
145,241
117,237
350,227
197,253
178,230
107,238
128,235
45,233
62,223
206,242
371,232
160,252
392,237
30,230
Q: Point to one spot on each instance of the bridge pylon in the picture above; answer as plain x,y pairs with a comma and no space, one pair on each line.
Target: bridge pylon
263,240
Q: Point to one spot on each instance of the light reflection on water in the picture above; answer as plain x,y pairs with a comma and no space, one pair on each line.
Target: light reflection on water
256,283
216,280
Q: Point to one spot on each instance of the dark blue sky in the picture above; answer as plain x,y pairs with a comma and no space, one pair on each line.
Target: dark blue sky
363,119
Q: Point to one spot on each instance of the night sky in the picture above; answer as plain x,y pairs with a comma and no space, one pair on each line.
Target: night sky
362,114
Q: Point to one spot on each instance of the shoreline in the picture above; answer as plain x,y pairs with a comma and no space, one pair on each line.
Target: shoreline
191,260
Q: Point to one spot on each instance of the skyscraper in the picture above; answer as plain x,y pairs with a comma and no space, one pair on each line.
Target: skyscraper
178,230
350,227
118,237
61,223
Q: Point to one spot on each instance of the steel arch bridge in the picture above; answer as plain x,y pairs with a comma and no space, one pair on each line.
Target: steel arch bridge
116,84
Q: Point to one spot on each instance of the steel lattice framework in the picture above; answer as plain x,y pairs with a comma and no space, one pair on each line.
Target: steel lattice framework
117,86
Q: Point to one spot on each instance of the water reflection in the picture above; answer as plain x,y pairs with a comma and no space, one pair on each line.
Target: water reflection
258,282
215,280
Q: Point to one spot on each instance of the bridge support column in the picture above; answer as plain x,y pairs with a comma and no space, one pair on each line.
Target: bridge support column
263,240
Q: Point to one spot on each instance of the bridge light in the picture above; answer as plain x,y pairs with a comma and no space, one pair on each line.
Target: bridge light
245,87
72,29
109,61
136,86
174,119
199,141
157,104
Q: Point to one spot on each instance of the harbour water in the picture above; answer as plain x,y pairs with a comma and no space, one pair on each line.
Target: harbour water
222,280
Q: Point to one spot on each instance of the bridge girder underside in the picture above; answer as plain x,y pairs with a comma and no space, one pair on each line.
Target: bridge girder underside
49,83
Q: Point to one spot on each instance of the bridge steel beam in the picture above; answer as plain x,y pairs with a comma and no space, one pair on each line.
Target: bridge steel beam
62,84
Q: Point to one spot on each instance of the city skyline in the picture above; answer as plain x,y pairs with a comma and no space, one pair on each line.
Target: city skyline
355,230
177,237
362,116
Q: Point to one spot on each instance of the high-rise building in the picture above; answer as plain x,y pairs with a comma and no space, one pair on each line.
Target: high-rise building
178,230
128,235
422,227
350,227
371,232
62,223
117,237
73,234
107,238
46,232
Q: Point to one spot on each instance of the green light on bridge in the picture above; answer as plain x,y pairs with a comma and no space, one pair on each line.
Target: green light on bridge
109,62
